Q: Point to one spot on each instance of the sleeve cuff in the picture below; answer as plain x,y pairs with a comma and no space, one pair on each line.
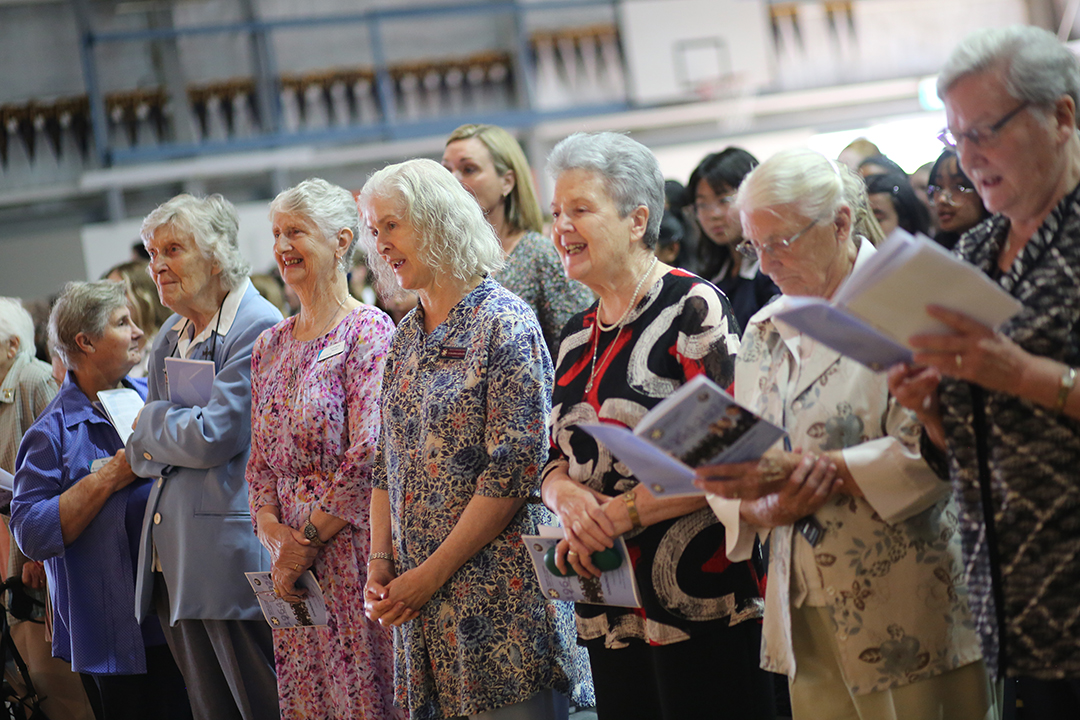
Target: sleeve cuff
738,535
896,482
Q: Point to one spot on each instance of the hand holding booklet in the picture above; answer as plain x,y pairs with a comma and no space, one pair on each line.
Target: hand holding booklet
311,610
615,586
698,424
883,302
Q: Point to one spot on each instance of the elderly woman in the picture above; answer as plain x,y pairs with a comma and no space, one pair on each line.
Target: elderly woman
957,207
464,400
712,189
866,611
999,407
314,423
197,542
490,164
692,647
78,506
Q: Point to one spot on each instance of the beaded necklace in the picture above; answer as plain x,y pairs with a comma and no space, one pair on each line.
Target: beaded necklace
618,324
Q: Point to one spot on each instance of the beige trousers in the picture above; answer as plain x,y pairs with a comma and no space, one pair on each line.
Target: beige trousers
819,692
53,678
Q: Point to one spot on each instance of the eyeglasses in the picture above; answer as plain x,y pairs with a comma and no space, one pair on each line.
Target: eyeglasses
948,194
979,136
751,249
703,207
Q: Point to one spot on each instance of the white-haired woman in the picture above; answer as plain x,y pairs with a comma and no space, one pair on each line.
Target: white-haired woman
1000,408
866,610
315,381
78,506
465,396
691,651
490,164
198,521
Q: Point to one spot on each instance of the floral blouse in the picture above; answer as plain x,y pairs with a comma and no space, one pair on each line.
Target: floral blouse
534,273
888,567
682,327
463,415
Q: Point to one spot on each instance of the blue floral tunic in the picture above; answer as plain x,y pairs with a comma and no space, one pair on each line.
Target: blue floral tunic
464,411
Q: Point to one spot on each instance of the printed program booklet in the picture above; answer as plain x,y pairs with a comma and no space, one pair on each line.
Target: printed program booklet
615,586
280,614
698,424
121,406
883,303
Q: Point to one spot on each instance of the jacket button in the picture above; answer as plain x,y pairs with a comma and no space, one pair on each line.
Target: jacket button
157,518
148,456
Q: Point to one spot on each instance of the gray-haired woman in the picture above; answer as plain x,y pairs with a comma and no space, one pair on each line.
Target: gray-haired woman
314,423
691,651
465,397
78,506
866,609
198,520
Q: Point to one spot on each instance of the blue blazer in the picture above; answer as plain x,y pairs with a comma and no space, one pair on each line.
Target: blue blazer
197,515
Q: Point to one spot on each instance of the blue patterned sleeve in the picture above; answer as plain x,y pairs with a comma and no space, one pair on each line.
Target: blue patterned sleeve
39,480
519,379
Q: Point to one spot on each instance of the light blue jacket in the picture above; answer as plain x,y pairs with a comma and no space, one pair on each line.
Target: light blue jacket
197,515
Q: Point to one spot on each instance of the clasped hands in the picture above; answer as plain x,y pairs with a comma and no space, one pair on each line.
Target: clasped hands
392,599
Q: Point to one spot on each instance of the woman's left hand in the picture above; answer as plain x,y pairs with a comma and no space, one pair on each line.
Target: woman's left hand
405,595
972,352
748,480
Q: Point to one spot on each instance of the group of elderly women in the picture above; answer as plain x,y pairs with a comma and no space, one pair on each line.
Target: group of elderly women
402,466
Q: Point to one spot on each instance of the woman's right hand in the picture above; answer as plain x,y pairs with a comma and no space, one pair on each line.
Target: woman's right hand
749,480
117,473
916,388
376,596
810,484
290,553
587,527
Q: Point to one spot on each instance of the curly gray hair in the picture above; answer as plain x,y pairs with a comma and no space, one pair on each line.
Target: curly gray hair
212,223
16,322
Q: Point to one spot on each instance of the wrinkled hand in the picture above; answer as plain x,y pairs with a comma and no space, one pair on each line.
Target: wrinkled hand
400,599
810,484
117,472
33,574
290,554
748,480
973,352
587,527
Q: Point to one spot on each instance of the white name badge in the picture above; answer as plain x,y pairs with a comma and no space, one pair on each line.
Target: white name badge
331,350
99,463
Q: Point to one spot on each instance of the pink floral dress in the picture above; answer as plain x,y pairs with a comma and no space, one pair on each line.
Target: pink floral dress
314,424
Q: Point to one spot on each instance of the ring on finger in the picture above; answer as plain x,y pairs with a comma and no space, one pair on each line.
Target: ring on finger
571,553
959,361
296,566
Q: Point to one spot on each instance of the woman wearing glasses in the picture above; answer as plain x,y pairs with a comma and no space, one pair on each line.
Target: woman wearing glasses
865,610
956,204
712,187
1000,408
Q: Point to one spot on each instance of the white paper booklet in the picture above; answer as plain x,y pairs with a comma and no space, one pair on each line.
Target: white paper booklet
883,303
698,424
280,614
7,481
190,381
615,586
121,406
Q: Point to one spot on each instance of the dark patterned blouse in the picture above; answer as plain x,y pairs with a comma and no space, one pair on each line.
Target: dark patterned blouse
1033,457
681,328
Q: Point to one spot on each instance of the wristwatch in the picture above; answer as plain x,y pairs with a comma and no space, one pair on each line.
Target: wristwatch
312,533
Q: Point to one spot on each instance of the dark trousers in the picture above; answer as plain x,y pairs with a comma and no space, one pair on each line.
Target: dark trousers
1048,699
228,664
712,675
160,693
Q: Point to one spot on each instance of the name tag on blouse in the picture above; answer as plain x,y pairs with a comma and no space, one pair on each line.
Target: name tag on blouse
452,353
331,350
99,463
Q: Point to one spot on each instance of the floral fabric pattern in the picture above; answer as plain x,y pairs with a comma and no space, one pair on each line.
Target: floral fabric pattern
464,409
534,273
681,328
888,567
315,422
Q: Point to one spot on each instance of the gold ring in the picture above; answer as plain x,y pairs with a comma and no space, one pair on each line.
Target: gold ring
571,553
296,566
959,361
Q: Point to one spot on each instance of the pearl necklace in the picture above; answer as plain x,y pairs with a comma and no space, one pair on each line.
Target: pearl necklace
618,324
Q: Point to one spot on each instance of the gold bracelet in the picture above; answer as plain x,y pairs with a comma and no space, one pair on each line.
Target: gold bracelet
380,556
1068,381
631,509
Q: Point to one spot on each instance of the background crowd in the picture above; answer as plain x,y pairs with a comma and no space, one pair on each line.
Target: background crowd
909,550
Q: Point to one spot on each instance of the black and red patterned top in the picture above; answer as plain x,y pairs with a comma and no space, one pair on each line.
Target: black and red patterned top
681,328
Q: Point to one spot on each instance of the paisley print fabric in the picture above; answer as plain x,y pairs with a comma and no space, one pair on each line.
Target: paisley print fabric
888,566
533,273
1034,456
315,421
682,327
463,414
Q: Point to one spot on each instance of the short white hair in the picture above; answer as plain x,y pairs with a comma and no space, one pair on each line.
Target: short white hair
16,322
212,223
331,207
1036,67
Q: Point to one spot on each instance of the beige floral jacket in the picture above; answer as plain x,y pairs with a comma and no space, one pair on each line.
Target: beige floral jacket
888,566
